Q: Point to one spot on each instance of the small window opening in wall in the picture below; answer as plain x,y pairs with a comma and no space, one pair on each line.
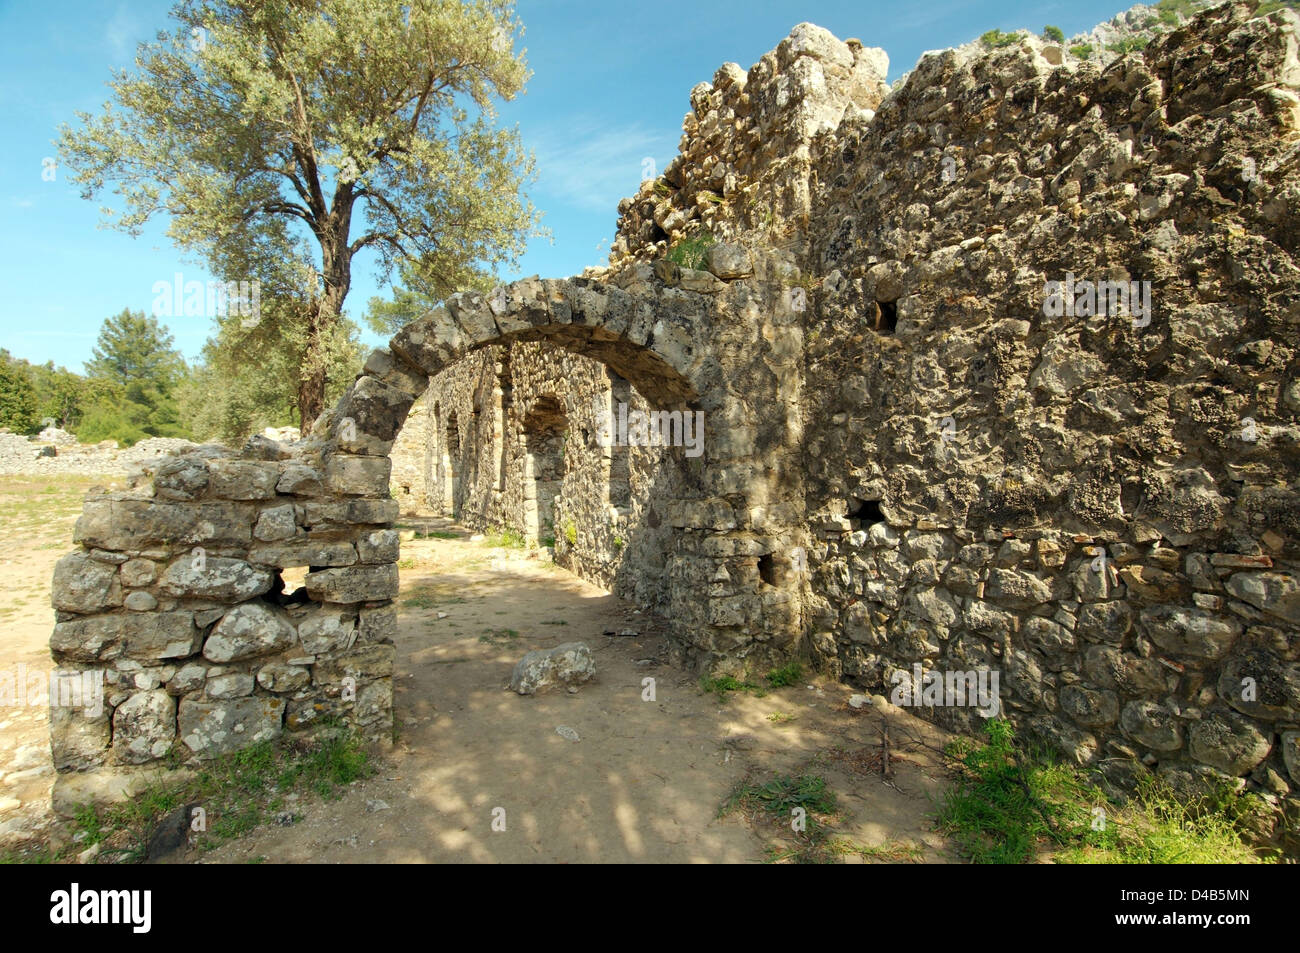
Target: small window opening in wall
767,569
886,316
865,511
289,586
406,489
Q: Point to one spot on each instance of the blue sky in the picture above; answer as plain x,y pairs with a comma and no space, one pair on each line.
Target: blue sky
610,87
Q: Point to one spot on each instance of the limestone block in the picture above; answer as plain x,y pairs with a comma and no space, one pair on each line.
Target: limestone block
213,728
353,584
83,584
199,576
246,631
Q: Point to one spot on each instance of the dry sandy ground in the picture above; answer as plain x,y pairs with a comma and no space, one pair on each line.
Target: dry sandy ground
37,514
642,782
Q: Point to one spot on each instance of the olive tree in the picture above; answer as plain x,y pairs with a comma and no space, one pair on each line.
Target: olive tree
311,131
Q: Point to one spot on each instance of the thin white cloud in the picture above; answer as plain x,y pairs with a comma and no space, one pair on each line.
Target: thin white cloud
591,165
120,34
22,202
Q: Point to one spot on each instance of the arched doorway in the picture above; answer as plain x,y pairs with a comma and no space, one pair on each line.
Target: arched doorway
545,436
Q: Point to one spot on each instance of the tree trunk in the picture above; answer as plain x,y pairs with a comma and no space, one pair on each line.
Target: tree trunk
337,272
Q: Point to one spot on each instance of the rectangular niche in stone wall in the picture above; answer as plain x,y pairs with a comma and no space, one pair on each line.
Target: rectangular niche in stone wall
545,428
865,512
886,320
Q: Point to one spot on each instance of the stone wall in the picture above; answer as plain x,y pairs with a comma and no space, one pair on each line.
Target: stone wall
177,605
1102,506
744,166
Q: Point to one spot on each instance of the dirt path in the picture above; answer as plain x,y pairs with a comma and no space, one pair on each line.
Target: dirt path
37,514
643,783
644,780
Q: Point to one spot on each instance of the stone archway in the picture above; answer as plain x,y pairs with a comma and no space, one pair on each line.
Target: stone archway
177,582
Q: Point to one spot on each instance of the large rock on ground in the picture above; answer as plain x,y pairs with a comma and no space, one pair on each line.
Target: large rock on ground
567,664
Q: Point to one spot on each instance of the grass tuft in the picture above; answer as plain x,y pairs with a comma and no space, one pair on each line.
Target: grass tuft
1009,803
788,674
238,792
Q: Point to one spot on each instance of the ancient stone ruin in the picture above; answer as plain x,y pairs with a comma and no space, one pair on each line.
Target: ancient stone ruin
997,372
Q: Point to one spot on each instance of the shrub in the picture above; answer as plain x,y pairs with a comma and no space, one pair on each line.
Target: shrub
996,39
787,674
1130,44
689,252
17,399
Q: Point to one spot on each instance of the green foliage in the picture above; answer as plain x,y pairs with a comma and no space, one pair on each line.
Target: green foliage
325,769
782,794
17,397
787,674
996,39
239,792
1008,803
64,397
104,422
389,317
571,533
133,348
506,538
132,376
248,378
295,119
775,801
61,397
1170,11
1053,33
720,685
499,636
1162,827
689,252
1082,50
1129,44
